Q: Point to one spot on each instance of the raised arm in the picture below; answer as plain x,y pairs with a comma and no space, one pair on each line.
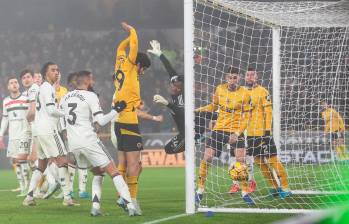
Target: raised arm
156,50
132,41
170,70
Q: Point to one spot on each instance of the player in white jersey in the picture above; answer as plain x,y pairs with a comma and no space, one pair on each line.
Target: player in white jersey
50,144
82,108
83,172
14,110
31,91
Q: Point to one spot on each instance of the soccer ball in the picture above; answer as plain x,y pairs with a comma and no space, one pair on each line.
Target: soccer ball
238,172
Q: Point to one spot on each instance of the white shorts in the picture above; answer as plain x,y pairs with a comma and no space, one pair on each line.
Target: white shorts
95,155
18,146
50,146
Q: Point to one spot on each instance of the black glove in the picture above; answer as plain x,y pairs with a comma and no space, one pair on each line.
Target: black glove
119,106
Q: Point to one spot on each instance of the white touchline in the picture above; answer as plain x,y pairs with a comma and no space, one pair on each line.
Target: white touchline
166,219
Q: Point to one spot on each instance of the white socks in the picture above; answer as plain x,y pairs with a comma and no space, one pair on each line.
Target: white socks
25,173
97,191
71,170
37,174
83,175
64,181
20,177
122,188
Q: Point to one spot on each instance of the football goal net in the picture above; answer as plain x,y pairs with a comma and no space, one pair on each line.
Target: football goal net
300,53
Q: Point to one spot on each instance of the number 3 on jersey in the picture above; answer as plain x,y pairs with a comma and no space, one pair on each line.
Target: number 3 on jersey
119,76
72,107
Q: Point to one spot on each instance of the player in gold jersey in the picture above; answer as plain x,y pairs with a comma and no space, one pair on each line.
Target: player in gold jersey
60,90
334,125
128,68
233,104
260,141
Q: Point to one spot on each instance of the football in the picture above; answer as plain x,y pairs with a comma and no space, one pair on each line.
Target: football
238,172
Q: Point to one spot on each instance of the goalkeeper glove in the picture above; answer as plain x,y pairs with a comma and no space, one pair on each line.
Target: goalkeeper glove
160,100
156,50
119,106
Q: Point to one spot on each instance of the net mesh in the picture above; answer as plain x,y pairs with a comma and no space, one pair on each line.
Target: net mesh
314,62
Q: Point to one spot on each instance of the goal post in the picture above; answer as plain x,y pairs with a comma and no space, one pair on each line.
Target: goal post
189,107
300,51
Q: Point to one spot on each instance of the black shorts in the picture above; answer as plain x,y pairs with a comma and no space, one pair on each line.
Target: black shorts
220,138
128,137
337,135
261,146
175,145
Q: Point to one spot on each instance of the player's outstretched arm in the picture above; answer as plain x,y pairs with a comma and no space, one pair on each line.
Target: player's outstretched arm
212,107
147,116
175,108
156,50
103,119
133,42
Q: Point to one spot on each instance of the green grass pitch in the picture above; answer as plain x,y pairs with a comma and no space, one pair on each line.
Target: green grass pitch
161,195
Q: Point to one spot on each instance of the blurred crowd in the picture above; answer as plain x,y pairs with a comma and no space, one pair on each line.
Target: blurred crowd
95,51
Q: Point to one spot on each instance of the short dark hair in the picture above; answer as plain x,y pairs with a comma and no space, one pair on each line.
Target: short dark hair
45,67
251,69
81,75
11,77
232,70
143,60
25,71
71,77
177,78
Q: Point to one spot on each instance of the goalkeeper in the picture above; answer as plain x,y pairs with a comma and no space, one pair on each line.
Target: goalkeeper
334,125
233,104
176,106
259,138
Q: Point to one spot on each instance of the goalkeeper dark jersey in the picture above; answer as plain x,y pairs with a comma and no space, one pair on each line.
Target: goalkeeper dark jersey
177,103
